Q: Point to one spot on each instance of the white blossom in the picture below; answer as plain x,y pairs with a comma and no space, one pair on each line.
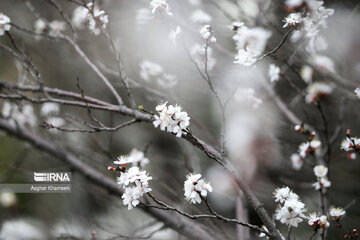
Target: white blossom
274,73
296,161
348,144
55,121
337,213
252,40
135,183
50,108
234,26
123,160
291,213
39,26
56,27
149,69
99,19
320,171
23,115
292,19
284,194
160,8
293,3
4,24
199,16
318,221
207,33
175,34
131,197
317,90
172,119
194,186
308,147
357,92
306,73
245,58
322,183
323,63
137,158
79,17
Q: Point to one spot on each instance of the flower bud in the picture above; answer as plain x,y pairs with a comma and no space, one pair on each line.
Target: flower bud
110,168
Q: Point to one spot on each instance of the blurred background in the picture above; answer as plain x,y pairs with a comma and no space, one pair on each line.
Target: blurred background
260,140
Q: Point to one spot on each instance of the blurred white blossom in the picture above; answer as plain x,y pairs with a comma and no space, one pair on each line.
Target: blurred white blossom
160,8
80,17
296,161
199,16
247,95
50,108
7,199
274,73
318,90
56,27
175,34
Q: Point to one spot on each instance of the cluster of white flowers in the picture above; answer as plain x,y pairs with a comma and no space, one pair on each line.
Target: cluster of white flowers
290,210
160,8
4,24
97,19
150,71
135,183
337,213
80,17
314,21
195,187
197,53
247,96
318,90
22,115
317,221
51,112
206,33
308,147
296,161
348,144
250,43
172,119
274,73
175,34
199,16
320,172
